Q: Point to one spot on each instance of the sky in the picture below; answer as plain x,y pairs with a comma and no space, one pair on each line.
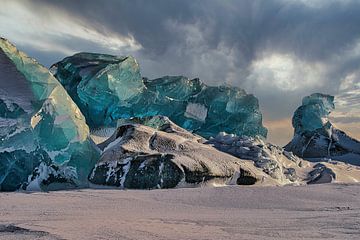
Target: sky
278,50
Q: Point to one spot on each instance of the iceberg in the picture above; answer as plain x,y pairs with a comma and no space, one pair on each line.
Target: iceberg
107,88
100,84
46,144
312,115
316,138
41,128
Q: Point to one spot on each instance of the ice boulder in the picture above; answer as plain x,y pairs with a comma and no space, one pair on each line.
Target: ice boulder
272,159
163,155
284,166
108,88
101,85
312,115
315,137
44,139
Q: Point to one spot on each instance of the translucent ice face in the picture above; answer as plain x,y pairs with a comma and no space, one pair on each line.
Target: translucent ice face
39,122
108,88
314,112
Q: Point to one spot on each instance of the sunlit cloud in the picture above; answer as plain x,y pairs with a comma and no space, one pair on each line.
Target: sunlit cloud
48,29
286,72
321,3
348,100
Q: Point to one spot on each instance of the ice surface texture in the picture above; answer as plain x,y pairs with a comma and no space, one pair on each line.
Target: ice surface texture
39,123
315,138
107,88
273,160
284,166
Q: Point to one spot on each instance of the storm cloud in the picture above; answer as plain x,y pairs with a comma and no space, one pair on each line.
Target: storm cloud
280,50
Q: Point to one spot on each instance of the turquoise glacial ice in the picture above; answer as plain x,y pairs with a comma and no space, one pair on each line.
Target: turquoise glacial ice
316,138
100,84
39,125
313,114
107,88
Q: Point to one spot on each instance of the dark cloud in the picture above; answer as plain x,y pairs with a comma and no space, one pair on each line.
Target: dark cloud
248,27
313,33
145,20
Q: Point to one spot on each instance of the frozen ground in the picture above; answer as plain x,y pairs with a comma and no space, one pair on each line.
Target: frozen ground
328,211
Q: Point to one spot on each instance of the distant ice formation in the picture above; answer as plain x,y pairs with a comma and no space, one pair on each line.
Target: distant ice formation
315,138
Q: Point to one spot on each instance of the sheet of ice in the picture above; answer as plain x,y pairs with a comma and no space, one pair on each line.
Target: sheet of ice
327,211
